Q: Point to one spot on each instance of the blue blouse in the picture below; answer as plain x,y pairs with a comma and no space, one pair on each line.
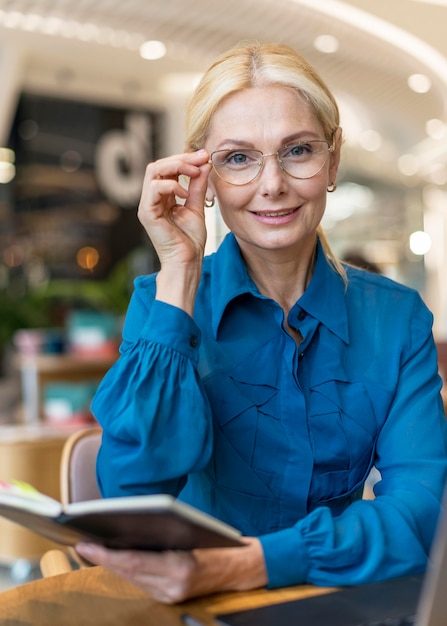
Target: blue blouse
226,412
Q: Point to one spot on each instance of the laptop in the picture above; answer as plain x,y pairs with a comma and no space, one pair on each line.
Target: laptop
419,600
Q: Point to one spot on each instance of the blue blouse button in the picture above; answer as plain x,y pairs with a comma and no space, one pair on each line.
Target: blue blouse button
301,315
193,341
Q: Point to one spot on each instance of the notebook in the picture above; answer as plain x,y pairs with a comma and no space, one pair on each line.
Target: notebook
419,600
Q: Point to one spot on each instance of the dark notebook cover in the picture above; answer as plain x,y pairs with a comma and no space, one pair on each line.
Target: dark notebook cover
353,606
157,522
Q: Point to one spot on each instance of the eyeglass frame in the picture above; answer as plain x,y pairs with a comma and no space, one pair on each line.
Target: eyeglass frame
331,148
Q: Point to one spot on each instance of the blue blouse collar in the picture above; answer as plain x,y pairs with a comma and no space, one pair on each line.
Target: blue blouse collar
324,297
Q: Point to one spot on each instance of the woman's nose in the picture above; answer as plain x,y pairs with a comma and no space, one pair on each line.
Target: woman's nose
272,176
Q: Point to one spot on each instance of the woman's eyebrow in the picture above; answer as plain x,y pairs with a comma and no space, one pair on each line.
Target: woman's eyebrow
236,143
301,136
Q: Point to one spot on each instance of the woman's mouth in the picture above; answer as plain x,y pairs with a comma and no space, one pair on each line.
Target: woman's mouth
277,213
276,217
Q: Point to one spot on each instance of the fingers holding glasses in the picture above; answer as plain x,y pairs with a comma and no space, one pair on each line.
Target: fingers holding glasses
172,213
162,181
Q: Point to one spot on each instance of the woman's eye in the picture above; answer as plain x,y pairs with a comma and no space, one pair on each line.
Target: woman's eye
300,149
238,159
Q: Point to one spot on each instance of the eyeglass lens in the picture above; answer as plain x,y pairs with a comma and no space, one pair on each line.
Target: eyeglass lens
301,160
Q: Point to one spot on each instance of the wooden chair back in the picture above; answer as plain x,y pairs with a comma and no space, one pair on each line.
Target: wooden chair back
78,466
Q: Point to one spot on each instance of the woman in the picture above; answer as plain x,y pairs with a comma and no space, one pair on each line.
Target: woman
261,384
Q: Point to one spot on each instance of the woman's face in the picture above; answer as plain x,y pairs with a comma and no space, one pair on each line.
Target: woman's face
274,211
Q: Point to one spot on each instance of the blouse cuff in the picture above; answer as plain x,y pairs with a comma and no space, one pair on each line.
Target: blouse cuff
170,326
285,558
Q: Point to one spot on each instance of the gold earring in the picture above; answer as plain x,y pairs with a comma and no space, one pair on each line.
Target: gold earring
209,203
332,187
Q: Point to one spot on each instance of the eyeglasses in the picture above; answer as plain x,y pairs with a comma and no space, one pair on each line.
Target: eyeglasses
300,160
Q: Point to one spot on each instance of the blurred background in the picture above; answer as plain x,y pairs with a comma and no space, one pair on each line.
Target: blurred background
91,90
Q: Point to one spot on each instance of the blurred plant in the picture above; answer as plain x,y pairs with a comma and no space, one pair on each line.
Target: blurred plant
46,306
111,294
21,311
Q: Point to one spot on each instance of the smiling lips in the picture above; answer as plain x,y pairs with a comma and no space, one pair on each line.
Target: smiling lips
276,214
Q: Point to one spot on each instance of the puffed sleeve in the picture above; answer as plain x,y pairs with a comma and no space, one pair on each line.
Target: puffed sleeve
391,535
154,414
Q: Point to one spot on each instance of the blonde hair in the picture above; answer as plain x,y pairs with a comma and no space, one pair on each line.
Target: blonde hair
255,64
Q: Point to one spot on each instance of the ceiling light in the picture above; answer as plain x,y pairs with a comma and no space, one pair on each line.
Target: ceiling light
88,32
152,50
420,242
6,154
52,25
71,29
438,174
32,22
436,129
12,19
370,140
7,168
7,172
397,37
408,164
420,83
326,43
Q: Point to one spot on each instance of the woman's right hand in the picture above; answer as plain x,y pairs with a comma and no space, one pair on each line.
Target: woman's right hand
176,230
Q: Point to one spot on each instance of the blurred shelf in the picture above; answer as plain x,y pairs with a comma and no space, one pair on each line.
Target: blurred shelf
38,370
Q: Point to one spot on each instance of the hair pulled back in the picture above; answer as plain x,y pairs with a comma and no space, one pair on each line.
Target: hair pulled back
258,65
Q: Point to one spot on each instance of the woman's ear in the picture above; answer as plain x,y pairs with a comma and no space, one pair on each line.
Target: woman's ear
335,155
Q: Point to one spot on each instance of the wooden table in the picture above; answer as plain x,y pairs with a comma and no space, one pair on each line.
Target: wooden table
95,597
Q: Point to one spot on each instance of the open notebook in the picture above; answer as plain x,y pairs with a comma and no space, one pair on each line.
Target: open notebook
418,600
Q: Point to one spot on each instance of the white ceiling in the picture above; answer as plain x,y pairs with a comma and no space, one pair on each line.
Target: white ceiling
381,42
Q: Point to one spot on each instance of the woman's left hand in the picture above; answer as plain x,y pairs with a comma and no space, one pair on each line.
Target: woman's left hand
176,576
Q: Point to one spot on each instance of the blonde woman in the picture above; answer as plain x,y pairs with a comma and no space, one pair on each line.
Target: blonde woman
262,383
